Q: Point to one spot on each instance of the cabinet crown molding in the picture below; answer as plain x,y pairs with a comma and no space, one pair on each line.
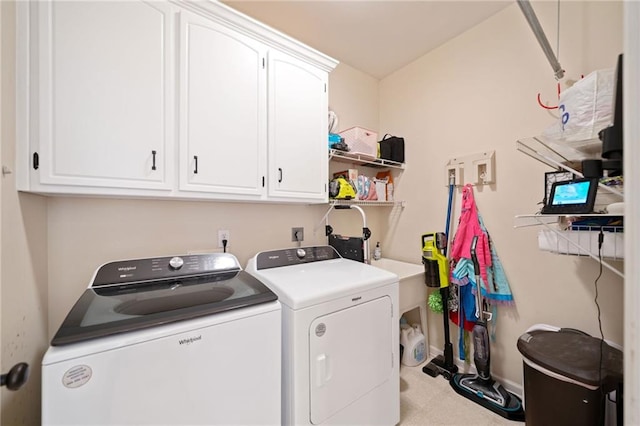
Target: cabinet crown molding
242,23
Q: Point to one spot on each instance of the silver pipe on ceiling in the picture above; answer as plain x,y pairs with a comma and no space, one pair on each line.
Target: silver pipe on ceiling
532,19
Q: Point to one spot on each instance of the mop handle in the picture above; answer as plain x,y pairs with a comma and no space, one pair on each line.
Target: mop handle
452,185
476,271
474,257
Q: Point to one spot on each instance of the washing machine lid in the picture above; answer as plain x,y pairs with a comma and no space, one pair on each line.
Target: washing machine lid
303,277
139,293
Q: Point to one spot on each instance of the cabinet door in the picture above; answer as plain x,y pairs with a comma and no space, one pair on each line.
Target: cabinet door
105,80
297,129
222,109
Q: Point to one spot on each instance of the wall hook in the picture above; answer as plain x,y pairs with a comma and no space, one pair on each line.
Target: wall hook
547,106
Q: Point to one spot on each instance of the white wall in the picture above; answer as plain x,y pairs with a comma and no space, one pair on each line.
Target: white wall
632,210
23,244
353,96
1,139
478,92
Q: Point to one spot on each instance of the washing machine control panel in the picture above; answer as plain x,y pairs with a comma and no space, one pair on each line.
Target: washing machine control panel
158,268
295,256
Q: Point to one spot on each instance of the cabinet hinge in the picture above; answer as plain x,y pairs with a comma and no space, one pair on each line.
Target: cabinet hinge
325,88
263,63
36,161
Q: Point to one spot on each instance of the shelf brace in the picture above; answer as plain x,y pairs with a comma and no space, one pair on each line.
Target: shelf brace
546,159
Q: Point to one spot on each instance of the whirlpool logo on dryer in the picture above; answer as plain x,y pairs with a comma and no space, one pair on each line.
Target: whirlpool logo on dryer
189,340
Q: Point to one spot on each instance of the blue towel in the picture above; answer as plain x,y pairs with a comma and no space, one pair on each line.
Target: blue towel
499,289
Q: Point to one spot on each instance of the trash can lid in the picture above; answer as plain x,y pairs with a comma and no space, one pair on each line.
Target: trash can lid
573,354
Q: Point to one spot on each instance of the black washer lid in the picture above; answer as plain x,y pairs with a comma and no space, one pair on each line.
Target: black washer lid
573,354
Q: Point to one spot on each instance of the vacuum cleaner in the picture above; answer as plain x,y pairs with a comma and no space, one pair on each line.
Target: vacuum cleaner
481,387
436,265
437,275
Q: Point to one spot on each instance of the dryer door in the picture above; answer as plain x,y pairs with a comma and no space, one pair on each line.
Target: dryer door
351,353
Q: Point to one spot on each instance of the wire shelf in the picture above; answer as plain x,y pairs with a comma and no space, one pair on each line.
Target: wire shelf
346,157
561,236
368,203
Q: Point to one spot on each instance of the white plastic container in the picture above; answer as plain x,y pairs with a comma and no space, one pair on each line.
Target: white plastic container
361,141
414,345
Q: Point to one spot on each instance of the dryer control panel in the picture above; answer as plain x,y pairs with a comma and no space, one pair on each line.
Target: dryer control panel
295,256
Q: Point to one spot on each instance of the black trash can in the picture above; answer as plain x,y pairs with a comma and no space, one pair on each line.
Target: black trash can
563,384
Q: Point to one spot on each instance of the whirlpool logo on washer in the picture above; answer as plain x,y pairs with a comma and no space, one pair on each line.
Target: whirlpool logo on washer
189,340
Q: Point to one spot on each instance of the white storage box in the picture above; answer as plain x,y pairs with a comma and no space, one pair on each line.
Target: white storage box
582,243
361,141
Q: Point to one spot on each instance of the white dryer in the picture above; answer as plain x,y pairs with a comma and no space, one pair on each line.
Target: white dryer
340,362
169,340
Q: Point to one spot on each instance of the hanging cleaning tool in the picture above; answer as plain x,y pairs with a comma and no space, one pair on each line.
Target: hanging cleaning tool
434,249
436,268
435,263
481,387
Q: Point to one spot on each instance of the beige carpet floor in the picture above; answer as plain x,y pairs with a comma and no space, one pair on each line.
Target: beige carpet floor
425,400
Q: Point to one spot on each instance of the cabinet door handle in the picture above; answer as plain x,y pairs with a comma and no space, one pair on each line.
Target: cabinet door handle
280,175
153,166
195,171
16,377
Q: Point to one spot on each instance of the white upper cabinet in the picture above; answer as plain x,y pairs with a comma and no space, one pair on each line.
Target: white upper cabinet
223,109
105,95
167,99
297,129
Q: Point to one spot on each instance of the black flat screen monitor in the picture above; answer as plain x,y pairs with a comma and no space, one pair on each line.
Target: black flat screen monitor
572,197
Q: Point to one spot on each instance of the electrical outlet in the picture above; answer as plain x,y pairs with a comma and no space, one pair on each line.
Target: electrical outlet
297,234
223,234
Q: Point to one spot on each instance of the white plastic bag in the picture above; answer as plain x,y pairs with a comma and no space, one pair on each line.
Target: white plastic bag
585,109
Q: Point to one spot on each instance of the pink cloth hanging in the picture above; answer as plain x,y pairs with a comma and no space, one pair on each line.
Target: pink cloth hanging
468,227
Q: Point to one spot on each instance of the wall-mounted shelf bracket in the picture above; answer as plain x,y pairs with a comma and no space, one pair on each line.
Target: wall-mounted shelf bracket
536,148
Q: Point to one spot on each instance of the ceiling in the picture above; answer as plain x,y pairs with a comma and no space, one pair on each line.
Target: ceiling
375,37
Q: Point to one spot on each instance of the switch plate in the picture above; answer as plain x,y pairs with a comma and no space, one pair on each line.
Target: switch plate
297,234
223,234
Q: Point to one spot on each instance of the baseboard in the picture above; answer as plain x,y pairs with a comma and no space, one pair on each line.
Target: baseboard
513,387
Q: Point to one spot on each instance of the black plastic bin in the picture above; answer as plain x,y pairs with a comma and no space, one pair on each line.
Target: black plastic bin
562,381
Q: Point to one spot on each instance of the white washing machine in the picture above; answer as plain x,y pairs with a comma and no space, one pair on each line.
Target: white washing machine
172,341
340,361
